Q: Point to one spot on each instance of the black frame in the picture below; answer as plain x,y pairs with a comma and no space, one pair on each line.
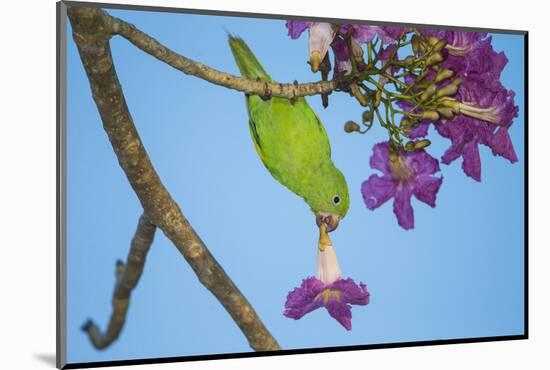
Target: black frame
61,14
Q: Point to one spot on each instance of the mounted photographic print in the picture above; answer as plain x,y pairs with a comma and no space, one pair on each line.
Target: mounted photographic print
235,185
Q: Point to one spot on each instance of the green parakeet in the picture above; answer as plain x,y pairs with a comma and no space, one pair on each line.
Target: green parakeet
293,145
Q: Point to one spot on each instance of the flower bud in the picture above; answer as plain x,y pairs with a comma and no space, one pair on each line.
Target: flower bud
421,144
416,44
431,115
457,81
362,99
406,123
446,112
409,60
440,45
377,98
443,75
434,59
432,40
367,116
428,93
357,51
448,90
351,126
409,147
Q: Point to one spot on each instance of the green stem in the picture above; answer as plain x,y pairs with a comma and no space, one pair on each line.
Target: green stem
369,51
379,86
390,77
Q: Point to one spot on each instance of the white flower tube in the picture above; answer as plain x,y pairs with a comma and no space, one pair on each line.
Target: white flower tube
320,38
328,269
490,114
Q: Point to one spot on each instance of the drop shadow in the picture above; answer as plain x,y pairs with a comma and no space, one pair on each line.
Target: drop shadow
47,358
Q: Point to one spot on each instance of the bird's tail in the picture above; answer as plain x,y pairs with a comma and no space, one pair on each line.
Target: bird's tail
248,65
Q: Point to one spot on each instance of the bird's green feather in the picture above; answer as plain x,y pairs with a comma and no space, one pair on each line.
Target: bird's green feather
291,141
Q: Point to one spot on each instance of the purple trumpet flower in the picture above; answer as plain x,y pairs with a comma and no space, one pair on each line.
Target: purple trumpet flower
484,119
336,298
409,174
327,289
486,108
320,37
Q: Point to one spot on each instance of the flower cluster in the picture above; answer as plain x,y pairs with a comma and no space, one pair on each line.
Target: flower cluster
450,80
481,110
409,79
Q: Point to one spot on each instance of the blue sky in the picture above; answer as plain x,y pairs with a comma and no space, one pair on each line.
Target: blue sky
458,274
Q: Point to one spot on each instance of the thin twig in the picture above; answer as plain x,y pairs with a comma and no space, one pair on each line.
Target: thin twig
92,38
127,276
115,26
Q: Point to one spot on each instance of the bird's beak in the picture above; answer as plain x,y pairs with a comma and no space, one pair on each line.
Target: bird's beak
329,219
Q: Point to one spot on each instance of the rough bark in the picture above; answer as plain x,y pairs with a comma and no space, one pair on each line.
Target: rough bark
127,276
91,33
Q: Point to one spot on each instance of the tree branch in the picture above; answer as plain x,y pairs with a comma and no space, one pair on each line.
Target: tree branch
127,277
91,35
116,26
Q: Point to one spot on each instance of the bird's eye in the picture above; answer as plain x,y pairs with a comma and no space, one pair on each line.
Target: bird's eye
336,200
